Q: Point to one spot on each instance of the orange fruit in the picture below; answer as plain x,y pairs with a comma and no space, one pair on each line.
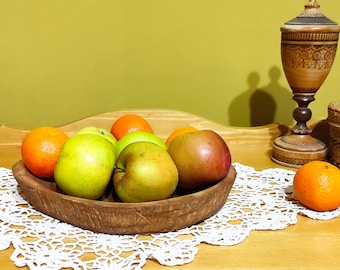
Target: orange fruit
179,131
128,123
40,150
316,185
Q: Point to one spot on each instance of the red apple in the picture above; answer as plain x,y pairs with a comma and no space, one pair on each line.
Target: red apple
201,157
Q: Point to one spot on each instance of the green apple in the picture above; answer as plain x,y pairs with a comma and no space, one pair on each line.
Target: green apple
85,166
139,136
100,131
144,172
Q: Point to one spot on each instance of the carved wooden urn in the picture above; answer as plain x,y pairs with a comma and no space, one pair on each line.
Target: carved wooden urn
308,48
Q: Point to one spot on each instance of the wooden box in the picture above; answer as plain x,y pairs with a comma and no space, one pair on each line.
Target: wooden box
334,132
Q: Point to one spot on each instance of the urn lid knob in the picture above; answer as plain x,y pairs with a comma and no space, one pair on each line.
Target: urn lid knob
312,4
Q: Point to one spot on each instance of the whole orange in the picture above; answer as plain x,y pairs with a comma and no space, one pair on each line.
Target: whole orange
179,131
128,123
40,150
316,185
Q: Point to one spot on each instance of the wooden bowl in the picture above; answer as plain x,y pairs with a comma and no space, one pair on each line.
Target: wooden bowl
114,217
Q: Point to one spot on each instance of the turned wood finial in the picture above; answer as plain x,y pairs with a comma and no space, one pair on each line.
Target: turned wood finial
312,4
312,9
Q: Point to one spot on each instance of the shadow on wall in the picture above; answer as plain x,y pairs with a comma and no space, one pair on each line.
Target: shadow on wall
262,105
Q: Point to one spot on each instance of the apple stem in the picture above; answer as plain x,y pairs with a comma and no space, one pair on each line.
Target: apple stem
115,167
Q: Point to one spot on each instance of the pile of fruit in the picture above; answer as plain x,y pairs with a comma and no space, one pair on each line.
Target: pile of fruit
138,164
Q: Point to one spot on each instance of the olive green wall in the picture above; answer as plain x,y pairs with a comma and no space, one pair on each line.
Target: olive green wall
64,60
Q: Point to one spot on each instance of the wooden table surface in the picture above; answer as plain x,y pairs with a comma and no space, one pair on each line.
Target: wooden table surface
310,244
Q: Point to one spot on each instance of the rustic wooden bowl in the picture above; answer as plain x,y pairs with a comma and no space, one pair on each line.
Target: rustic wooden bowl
114,217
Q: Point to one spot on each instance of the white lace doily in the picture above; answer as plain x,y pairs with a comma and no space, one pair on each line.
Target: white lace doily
259,200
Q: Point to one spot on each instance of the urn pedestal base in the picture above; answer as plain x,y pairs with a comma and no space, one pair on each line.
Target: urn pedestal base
295,150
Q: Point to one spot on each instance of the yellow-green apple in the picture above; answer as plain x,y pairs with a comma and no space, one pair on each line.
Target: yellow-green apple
139,136
144,172
99,131
201,157
102,132
85,166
